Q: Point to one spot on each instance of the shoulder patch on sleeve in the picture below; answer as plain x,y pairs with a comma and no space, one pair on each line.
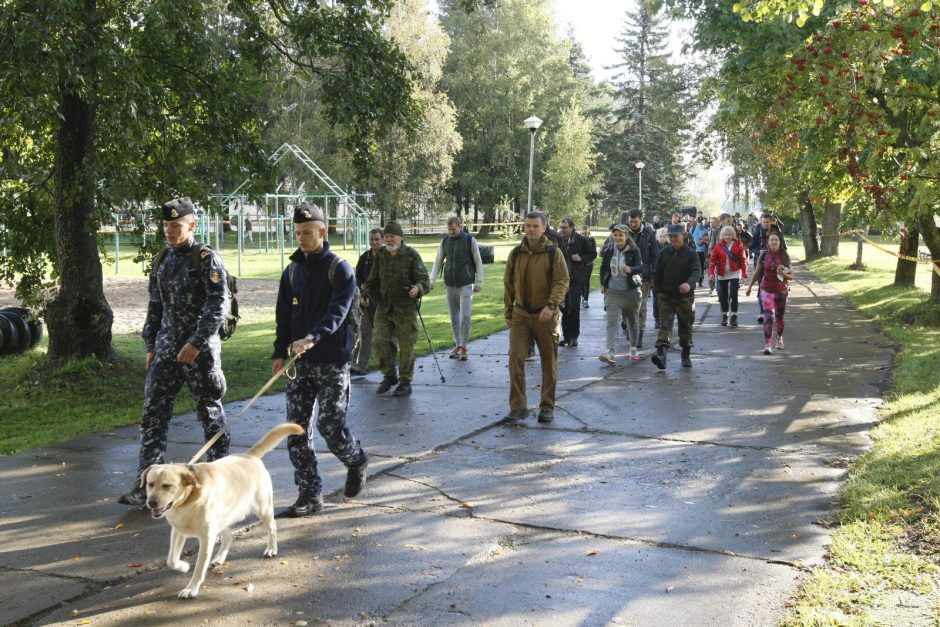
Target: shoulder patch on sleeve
215,277
204,254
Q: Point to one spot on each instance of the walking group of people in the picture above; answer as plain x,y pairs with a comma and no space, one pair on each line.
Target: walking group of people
328,315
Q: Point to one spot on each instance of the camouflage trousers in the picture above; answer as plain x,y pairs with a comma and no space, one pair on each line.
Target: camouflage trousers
401,321
164,380
326,385
671,307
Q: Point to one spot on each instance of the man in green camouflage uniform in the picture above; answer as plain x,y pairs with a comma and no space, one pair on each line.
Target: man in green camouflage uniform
397,279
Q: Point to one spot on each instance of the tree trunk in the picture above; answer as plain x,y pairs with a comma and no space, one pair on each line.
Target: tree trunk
79,317
829,246
809,228
858,265
906,271
928,230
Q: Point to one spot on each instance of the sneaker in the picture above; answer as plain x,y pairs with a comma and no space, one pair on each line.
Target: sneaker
305,505
733,320
546,415
135,497
768,350
760,319
585,305
724,319
463,353
573,342
607,358
356,477
634,355
403,389
386,384
516,415
779,343
455,354
563,342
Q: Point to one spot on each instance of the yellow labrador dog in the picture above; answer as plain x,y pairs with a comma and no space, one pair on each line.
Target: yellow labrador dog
205,500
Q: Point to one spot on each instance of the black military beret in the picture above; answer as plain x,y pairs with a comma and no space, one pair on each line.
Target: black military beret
305,212
177,208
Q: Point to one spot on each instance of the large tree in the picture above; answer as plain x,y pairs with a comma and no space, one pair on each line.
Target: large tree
106,101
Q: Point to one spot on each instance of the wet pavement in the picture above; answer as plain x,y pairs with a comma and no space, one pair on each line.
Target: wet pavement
689,496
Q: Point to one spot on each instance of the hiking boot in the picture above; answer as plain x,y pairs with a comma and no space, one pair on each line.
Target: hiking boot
463,353
305,505
386,384
546,415
516,415
660,357
686,357
135,497
356,477
403,389
454,354
724,319
733,320
607,358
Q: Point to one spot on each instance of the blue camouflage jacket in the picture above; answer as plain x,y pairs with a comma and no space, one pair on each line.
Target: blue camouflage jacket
187,305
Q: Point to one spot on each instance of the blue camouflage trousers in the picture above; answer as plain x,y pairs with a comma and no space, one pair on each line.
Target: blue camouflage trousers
328,386
164,380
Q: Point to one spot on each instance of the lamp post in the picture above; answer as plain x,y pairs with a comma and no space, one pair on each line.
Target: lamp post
532,123
639,171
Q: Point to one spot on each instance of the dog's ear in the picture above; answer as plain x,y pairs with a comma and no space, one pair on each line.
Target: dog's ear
189,478
143,475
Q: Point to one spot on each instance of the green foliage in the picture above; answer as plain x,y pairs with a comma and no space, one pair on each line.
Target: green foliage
570,177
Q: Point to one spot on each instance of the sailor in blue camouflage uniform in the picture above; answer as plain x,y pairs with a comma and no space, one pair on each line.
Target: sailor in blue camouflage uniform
185,311
313,305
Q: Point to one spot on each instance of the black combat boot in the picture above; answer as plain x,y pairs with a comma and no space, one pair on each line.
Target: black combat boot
356,477
686,359
660,357
386,384
307,504
403,389
724,319
135,497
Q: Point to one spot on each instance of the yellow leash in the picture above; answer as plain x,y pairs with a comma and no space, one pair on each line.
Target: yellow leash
289,370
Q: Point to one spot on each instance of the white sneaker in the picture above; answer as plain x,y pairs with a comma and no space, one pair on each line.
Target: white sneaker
607,358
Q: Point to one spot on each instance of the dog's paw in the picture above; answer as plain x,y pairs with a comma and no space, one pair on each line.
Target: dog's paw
217,562
270,553
181,566
188,593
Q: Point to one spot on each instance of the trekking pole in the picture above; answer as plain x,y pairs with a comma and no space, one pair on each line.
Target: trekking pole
427,335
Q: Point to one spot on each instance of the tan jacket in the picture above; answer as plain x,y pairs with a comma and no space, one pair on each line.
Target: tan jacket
526,280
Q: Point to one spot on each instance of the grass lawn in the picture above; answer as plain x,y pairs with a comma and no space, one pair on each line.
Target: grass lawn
43,404
888,537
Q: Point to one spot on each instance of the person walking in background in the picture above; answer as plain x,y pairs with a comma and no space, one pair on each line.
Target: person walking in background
772,274
621,277
247,228
644,237
458,259
728,262
314,300
363,349
577,254
662,242
588,267
535,284
700,237
674,279
398,278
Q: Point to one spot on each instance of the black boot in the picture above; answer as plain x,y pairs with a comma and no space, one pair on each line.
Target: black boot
686,359
639,341
733,321
307,504
356,477
724,319
660,357
135,497
386,384
403,389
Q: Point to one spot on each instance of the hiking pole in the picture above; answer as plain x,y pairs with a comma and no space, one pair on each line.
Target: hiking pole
427,335
264,388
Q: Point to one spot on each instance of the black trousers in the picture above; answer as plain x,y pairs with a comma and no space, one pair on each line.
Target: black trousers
571,313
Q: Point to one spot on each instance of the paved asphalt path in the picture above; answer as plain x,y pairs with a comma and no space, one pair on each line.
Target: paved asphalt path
690,496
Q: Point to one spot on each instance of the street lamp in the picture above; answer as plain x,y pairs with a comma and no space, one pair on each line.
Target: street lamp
639,171
532,123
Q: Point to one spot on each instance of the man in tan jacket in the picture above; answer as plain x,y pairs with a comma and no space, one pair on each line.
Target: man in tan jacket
536,282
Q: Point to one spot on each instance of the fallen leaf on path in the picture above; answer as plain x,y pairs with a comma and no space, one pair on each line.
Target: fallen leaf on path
592,553
135,564
417,547
822,522
119,526
466,506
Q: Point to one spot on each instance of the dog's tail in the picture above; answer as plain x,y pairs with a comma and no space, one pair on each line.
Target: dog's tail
271,439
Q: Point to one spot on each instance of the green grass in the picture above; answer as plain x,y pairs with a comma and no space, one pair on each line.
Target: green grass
44,403
889,529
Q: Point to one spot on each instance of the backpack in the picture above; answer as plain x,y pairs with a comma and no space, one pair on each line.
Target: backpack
552,249
230,315
354,317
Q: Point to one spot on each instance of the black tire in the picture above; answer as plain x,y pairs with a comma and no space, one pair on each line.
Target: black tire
11,333
487,254
32,321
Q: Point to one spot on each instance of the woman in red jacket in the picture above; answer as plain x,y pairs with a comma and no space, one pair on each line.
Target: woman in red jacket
729,262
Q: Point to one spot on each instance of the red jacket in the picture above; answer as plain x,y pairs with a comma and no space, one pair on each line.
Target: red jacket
719,256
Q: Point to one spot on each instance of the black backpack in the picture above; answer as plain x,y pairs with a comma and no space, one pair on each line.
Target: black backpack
355,311
200,252
552,249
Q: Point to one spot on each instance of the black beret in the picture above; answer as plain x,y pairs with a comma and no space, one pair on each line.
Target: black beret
177,208
675,229
305,212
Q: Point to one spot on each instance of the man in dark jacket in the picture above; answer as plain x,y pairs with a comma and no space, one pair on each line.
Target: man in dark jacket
674,279
644,237
578,254
313,304
589,267
363,349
